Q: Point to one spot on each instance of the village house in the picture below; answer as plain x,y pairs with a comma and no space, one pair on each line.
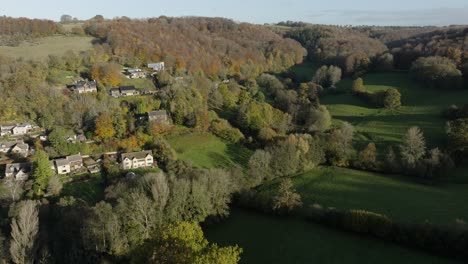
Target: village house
156,66
18,147
18,171
16,129
159,117
84,87
135,160
76,138
68,164
123,91
134,73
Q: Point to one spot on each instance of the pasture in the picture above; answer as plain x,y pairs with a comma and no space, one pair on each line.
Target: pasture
394,196
268,239
41,48
421,106
205,150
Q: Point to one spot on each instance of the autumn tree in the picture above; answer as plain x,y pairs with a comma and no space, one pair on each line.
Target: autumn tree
108,73
24,230
104,127
367,158
54,186
286,199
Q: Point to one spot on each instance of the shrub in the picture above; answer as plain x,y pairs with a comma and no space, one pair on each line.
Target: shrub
392,99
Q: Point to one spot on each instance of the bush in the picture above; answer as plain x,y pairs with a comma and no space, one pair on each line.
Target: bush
365,222
392,99
224,130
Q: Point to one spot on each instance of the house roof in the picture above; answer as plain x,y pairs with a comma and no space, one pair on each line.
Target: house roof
157,113
22,146
15,167
76,157
8,144
137,155
62,162
127,88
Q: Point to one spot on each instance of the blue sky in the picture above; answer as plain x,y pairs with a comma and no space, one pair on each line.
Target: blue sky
355,12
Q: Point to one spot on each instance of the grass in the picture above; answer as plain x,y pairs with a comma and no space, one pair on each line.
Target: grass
208,151
40,49
90,190
267,239
394,196
421,106
139,83
304,72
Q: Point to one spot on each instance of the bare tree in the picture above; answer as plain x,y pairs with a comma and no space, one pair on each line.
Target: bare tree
13,189
413,147
54,187
24,229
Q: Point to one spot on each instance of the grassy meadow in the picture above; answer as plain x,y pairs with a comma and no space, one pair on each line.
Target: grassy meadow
208,151
421,106
271,240
394,196
41,48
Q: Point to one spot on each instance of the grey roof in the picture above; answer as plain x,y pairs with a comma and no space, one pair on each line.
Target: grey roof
137,155
15,167
127,88
157,113
76,157
8,144
22,146
61,162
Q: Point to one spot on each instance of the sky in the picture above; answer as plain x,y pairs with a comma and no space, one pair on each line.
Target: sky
337,12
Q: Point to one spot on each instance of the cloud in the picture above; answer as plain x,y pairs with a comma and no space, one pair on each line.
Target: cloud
421,17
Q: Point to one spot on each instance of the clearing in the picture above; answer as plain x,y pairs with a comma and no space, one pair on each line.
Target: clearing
41,48
205,150
394,196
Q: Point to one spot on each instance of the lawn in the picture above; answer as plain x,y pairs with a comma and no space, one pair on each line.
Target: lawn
41,48
139,83
90,190
208,151
394,196
421,106
267,239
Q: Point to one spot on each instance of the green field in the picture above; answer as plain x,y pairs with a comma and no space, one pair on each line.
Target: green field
421,106
40,49
208,151
271,240
91,190
143,83
394,196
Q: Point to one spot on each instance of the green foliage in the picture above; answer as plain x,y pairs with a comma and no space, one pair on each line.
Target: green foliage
438,72
319,119
458,136
224,130
42,171
358,86
392,99
184,243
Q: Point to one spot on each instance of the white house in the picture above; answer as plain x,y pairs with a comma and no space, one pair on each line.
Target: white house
156,66
17,129
15,147
68,164
135,160
18,171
